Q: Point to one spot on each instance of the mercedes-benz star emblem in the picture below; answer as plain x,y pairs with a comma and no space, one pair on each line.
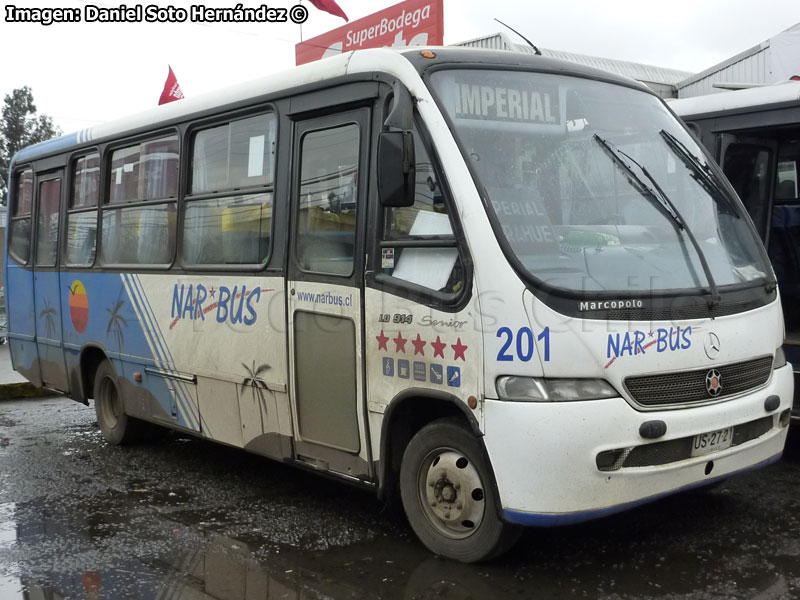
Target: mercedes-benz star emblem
713,383
711,345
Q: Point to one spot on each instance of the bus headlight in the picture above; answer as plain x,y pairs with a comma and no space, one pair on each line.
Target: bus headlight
532,389
780,359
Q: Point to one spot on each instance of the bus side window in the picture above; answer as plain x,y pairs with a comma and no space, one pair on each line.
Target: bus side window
786,175
47,226
20,234
228,217
747,167
326,224
135,232
438,267
81,229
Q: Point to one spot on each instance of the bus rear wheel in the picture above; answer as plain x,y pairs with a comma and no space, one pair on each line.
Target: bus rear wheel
117,427
445,484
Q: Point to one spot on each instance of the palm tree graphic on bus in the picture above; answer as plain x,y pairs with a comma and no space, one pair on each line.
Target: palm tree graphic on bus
257,387
116,322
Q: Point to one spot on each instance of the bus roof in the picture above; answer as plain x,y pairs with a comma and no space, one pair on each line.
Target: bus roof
405,65
738,101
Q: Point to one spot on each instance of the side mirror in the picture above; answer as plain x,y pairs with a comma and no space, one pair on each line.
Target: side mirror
396,168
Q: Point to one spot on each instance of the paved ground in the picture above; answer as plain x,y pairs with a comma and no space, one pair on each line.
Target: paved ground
12,384
7,373
182,519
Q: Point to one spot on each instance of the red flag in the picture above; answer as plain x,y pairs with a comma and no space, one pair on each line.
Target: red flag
172,91
329,6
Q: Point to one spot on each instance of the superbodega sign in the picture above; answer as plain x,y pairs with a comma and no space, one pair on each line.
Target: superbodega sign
410,23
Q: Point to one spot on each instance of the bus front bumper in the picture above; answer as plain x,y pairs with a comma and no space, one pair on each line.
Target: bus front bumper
545,455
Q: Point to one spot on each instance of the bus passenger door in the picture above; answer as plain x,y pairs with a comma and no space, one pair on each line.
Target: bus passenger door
324,291
749,164
46,282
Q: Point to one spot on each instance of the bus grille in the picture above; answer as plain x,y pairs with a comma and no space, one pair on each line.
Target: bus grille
690,386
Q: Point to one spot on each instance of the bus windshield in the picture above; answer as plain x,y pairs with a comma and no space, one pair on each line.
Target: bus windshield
596,186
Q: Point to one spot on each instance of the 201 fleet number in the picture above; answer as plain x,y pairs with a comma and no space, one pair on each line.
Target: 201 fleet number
524,345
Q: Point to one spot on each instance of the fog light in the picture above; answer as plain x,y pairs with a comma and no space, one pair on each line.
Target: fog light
652,430
772,403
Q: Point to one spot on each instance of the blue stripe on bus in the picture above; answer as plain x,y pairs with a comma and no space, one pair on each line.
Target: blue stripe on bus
183,395
151,328
554,520
146,323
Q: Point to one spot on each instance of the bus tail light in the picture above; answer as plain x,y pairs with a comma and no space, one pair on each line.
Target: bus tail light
532,389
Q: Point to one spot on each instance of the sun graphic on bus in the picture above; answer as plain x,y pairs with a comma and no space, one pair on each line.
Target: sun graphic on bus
78,306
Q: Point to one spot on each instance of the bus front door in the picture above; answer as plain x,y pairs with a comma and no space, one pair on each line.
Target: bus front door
324,292
47,288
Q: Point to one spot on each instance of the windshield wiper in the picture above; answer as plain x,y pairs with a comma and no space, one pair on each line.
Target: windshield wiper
705,177
663,203
701,173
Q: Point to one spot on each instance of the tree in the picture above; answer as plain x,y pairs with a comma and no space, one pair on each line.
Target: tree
20,127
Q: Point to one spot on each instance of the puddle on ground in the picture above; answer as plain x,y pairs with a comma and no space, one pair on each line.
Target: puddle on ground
135,536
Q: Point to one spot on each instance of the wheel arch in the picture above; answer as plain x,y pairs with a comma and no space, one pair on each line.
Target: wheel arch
92,355
406,414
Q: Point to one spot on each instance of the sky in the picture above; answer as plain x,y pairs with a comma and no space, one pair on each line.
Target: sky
83,74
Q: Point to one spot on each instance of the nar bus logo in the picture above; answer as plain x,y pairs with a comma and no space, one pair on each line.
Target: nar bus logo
638,343
236,304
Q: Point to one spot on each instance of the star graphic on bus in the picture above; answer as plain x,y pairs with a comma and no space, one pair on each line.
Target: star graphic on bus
458,350
382,339
400,343
419,345
438,347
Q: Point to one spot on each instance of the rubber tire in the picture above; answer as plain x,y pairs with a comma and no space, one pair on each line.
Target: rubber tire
117,427
492,536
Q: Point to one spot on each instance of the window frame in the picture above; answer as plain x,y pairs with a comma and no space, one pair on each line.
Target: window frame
445,302
41,179
70,210
105,204
17,179
187,198
296,197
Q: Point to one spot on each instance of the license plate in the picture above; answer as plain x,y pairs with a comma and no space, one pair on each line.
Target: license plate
713,441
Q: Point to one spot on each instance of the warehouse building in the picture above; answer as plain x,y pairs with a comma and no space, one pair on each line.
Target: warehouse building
772,61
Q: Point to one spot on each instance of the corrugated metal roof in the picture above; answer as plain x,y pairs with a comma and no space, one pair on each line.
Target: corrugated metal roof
637,71
733,60
751,63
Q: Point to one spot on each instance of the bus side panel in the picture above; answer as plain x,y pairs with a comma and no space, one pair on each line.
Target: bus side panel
104,310
227,333
48,314
22,323
415,350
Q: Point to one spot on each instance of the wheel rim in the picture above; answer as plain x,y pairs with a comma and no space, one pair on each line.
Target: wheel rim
451,493
110,404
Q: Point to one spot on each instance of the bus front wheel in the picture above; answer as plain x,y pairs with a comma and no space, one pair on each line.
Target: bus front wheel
117,427
447,495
